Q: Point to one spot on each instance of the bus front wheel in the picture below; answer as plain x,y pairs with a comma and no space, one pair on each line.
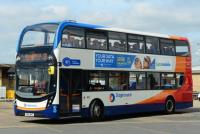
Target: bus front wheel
169,105
96,110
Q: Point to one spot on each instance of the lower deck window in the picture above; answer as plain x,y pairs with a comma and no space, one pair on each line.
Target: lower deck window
118,81
179,79
168,81
153,81
137,80
97,81
79,80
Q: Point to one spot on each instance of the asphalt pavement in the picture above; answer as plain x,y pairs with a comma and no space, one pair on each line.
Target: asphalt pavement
185,121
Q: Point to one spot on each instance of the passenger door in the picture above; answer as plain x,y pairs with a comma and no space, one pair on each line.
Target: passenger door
70,91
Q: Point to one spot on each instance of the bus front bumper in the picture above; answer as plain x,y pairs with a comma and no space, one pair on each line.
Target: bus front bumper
50,112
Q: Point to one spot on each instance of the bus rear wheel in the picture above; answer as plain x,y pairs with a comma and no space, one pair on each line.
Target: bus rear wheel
96,110
170,106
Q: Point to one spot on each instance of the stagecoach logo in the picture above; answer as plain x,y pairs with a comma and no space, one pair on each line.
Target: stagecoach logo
71,62
113,97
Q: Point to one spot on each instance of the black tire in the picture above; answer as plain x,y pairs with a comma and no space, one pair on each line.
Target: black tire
170,106
96,111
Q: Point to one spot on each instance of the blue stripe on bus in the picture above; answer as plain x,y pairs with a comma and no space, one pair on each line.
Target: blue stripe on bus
64,24
182,105
108,111
128,109
48,113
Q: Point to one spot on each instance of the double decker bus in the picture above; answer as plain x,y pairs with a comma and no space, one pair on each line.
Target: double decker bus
69,68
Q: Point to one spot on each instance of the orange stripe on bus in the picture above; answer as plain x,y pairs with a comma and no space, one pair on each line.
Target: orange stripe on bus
180,64
175,37
31,109
160,97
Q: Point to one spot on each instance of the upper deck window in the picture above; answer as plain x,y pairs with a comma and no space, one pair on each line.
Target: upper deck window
152,45
136,44
182,48
39,35
117,41
96,40
73,38
167,47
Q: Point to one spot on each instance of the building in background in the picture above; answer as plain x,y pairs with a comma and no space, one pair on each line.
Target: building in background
196,78
7,80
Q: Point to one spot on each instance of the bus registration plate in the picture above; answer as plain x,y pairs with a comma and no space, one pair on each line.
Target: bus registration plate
29,114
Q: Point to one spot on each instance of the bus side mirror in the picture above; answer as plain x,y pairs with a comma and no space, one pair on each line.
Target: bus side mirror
51,70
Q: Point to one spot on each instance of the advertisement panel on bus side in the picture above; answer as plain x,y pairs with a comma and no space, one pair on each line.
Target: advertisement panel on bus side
132,61
92,59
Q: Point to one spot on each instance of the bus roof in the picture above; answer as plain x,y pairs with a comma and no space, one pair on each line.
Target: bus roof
63,24
114,29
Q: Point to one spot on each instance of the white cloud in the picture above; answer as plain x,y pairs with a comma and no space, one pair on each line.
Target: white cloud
15,18
179,17
52,11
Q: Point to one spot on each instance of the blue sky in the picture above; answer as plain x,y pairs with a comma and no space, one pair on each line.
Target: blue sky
173,17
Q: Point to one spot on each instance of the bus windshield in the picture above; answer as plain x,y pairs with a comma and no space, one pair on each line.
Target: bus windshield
39,35
33,82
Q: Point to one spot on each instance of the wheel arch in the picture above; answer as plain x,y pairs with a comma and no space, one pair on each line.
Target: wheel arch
170,97
96,116
98,100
